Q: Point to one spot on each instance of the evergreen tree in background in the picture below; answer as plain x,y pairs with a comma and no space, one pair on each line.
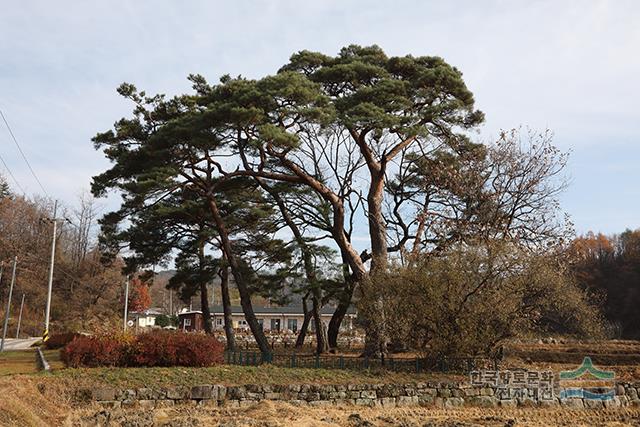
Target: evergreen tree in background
5,190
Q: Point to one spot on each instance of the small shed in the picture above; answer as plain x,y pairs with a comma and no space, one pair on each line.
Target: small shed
190,321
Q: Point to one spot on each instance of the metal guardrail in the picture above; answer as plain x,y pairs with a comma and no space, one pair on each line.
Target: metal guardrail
417,365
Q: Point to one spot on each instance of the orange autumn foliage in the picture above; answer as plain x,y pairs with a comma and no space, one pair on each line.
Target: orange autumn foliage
139,297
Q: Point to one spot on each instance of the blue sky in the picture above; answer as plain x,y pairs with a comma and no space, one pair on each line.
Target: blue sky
570,66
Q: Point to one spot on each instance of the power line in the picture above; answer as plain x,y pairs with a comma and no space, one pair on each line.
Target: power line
11,175
22,153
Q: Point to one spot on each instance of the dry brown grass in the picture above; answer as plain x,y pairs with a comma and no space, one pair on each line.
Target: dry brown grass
28,401
268,413
619,356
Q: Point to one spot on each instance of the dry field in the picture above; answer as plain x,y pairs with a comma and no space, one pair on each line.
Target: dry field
35,399
620,356
47,409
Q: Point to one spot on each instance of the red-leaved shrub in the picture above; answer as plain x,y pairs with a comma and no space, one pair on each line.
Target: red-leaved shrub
156,348
92,351
167,348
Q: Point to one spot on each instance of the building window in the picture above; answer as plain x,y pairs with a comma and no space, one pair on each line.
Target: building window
219,321
275,324
187,321
292,325
261,323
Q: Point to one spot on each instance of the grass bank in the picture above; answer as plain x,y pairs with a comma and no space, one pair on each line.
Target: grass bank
17,362
229,375
24,361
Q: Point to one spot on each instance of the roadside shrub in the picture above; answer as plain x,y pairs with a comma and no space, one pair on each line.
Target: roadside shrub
93,351
155,348
166,348
60,340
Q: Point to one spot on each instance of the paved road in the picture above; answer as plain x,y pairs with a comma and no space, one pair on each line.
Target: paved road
21,344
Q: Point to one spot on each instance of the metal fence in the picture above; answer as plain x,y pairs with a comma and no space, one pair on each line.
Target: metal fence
417,365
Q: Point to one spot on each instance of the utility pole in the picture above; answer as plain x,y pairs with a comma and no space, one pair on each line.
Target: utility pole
1,269
6,315
45,335
20,318
126,303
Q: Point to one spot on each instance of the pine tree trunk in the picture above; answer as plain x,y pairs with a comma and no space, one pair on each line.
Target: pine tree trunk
375,326
377,338
241,283
204,294
226,308
344,301
302,334
316,292
206,311
377,223
322,346
338,317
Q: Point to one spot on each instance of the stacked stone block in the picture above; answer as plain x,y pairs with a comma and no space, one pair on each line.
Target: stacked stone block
443,395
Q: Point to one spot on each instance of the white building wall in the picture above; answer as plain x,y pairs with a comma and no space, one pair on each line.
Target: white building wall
239,321
146,321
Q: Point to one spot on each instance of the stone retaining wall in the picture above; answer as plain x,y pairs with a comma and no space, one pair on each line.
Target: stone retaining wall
384,395
41,362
